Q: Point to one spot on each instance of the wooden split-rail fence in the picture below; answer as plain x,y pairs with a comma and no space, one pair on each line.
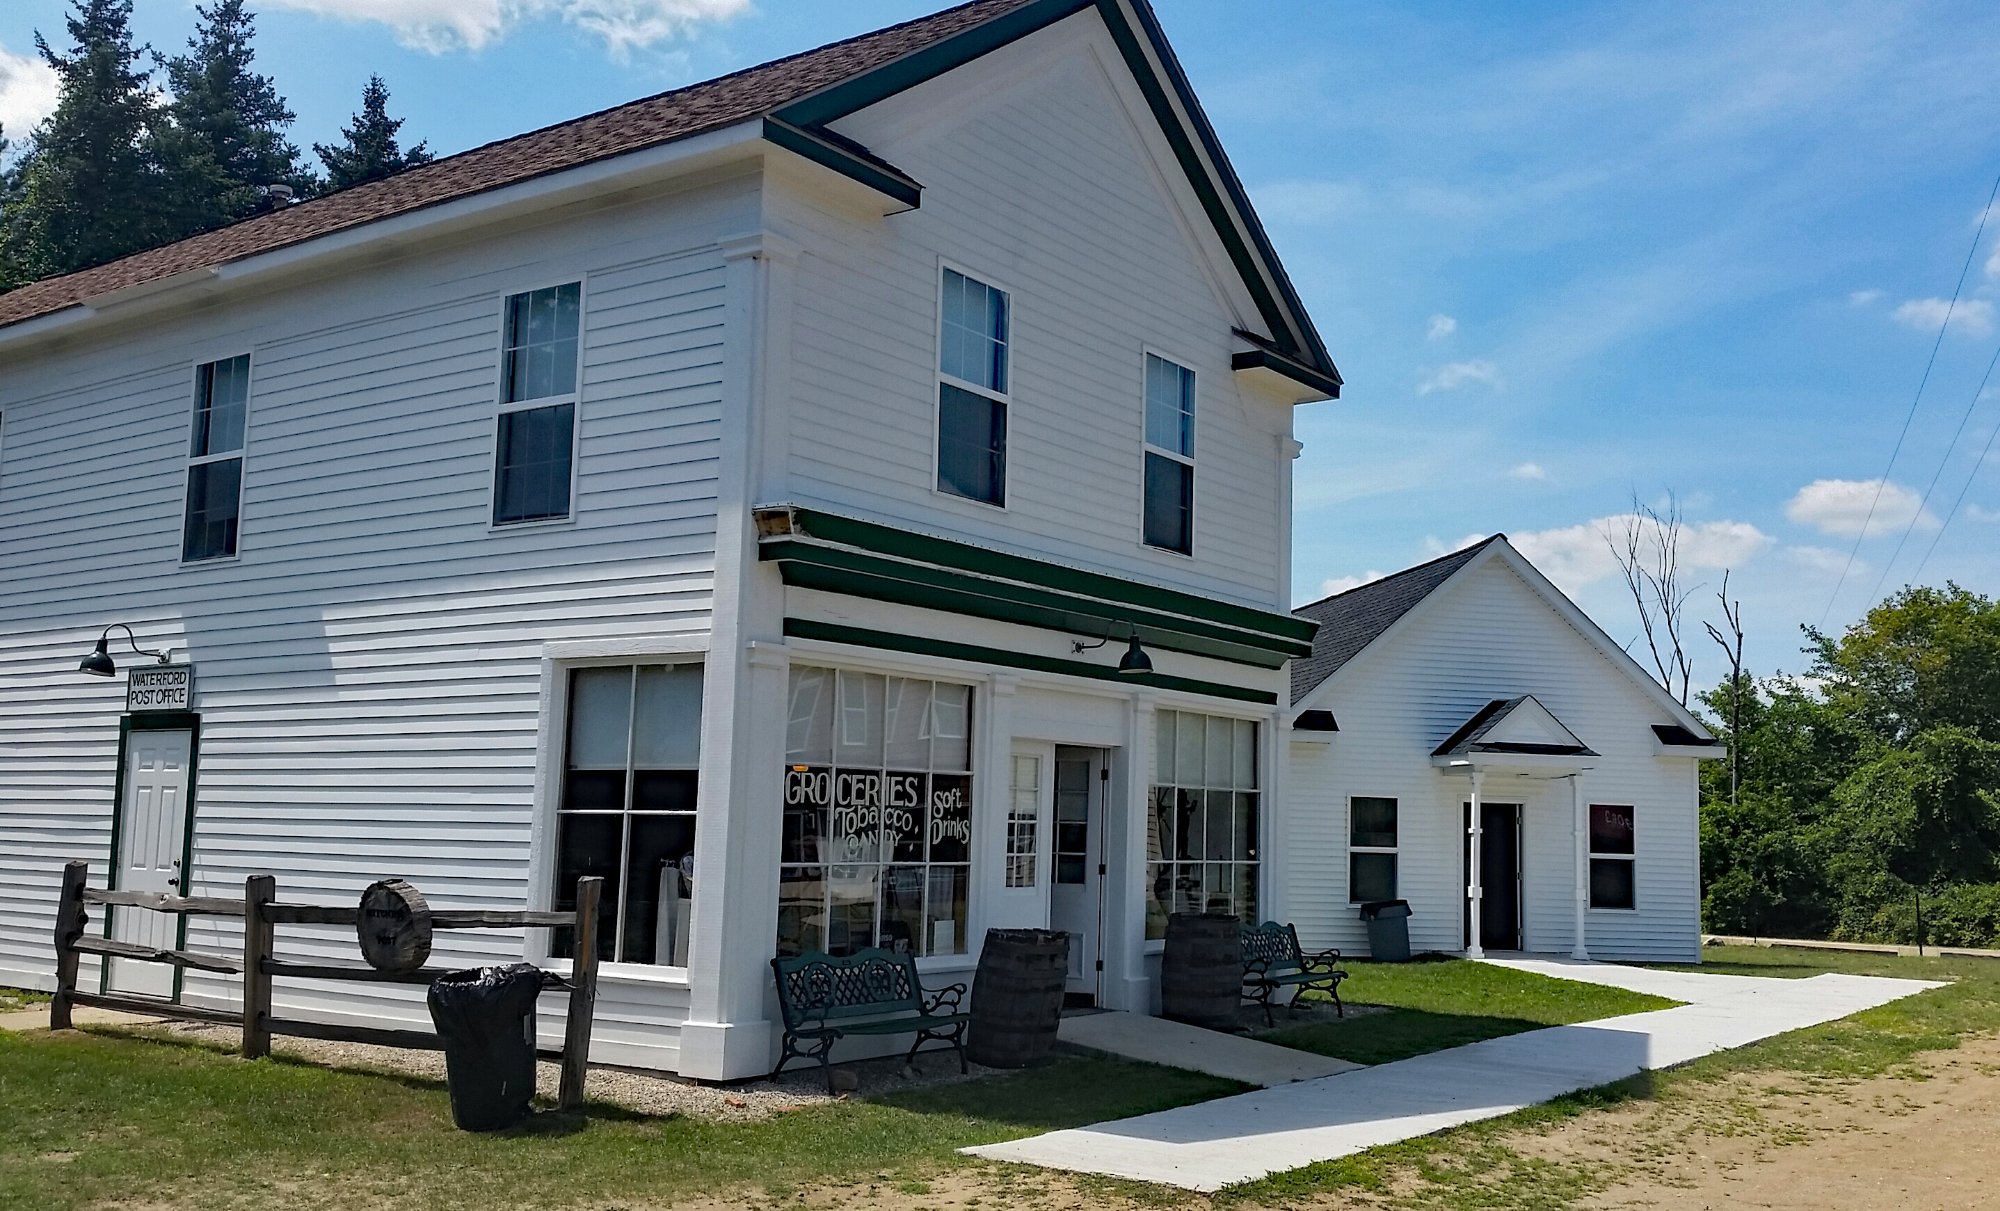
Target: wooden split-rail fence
261,914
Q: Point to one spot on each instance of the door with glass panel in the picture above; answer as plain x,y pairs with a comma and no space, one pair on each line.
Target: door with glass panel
1076,885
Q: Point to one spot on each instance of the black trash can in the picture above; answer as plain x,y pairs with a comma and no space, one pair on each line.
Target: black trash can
1388,930
486,1019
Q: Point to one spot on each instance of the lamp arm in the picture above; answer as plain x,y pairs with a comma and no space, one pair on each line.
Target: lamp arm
133,640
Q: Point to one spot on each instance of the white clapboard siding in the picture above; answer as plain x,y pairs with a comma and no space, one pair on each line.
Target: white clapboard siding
369,670
1036,180
1487,635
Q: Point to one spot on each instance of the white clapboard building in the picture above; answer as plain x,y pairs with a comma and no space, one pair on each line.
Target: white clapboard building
1467,740
842,503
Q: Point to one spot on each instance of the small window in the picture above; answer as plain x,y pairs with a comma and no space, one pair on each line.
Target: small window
972,390
1169,522
1023,819
534,453
1613,857
1371,849
627,812
1072,821
212,519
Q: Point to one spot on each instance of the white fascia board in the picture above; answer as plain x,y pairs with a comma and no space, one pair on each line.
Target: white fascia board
1700,752
742,141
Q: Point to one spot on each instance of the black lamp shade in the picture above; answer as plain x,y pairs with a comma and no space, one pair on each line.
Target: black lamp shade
1135,662
99,663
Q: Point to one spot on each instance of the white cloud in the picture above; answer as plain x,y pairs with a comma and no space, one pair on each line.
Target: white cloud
1969,317
27,93
1341,584
1435,546
1861,298
1841,507
1441,326
1530,471
1823,560
1979,514
1459,374
439,26
1993,263
1574,556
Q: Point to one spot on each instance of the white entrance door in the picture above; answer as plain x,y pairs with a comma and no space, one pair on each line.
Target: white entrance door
152,826
1076,898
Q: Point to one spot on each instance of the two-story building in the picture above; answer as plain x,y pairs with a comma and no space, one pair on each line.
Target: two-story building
835,503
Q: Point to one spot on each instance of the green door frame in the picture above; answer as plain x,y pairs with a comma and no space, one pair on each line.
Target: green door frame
153,721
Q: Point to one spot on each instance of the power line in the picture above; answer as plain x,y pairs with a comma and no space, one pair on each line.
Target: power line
1963,489
1918,516
1950,307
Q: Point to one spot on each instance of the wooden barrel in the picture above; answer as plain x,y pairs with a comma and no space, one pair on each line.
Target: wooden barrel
1017,997
1201,974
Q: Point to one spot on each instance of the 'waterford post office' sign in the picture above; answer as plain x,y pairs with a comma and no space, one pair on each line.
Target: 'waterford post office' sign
160,687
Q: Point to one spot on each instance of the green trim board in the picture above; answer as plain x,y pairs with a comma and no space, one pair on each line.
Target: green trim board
838,570
888,540
152,721
919,645
827,152
1221,193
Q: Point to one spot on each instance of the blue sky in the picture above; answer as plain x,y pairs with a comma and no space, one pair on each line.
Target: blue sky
1564,254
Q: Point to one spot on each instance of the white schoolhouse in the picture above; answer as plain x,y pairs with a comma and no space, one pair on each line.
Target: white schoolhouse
846,502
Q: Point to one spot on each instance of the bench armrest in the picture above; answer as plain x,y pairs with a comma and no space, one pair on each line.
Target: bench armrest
948,999
1320,959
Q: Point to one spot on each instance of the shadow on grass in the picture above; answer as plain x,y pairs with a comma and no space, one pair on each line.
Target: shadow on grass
1395,1034
1067,1093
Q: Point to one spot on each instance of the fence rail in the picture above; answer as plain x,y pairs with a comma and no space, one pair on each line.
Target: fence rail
258,965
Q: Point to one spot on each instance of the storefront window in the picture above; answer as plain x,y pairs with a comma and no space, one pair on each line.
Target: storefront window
1201,832
627,812
877,845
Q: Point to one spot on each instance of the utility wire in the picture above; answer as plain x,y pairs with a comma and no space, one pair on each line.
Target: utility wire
1957,290
1918,516
1963,489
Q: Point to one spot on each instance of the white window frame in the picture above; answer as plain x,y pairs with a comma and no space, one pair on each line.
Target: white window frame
1187,460
1004,398
241,454
1594,857
1395,851
574,399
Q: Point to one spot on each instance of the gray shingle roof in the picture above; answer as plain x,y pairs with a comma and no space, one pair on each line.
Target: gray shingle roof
1350,621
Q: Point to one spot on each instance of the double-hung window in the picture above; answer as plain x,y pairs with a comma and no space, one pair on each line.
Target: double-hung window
212,518
535,449
1169,522
627,811
1201,836
1613,857
972,390
1371,849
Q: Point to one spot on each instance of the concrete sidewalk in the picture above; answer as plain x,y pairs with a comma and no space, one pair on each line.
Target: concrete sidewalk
1252,1135
1135,1036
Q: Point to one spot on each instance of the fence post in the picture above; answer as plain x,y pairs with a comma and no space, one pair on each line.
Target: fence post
258,891
70,924
582,994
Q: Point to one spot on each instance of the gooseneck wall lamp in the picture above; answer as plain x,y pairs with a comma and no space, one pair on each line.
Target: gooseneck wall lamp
1134,663
99,662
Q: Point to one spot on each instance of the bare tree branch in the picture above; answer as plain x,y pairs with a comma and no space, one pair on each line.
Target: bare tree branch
1648,553
1732,647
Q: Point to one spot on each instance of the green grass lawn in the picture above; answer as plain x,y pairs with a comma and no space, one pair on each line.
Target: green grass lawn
90,1118
12,999
1435,1004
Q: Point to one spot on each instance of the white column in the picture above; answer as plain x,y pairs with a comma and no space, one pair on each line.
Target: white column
1123,947
1580,830
1473,890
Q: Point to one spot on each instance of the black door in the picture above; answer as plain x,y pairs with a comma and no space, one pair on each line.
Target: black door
1499,875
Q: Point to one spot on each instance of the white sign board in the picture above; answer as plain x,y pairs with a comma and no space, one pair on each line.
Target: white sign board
160,687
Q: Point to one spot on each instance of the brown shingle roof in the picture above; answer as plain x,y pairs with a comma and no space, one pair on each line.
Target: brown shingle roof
692,110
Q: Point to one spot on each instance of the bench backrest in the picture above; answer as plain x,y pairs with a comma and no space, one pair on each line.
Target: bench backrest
1273,945
870,982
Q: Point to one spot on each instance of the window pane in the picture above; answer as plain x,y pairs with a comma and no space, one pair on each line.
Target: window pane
531,478
1373,823
543,329
664,790
660,899
666,733
1190,738
1163,747
904,825
1159,899
1217,819
851,892
221,402
1160,825
1169,503
1371,877
1611,883
808,800
1245,827
951,818
1023,821
1189,831
1169,406
903,909
594,790
809,732
1610,829
801,909
858,730
1221,749
1246,892
972,445
586,846
600,712
951,728
945,909
909,724
857,817
973,343
214,509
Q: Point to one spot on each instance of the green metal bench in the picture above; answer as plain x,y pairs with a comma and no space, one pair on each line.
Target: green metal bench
871,992
1272,961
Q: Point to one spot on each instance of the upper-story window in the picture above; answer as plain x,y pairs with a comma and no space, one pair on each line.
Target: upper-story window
972,390
534,454
212,518
1169,522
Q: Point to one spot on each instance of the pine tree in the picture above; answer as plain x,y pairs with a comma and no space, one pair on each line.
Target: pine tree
370,152
91,185
227,139
12,273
